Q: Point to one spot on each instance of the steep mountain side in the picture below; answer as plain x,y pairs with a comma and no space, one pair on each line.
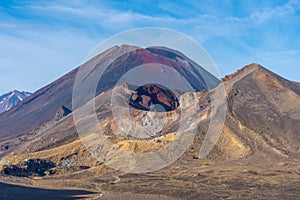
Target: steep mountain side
208,80
268,105
42,106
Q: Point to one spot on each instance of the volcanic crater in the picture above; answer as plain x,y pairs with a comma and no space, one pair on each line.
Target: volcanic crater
154,97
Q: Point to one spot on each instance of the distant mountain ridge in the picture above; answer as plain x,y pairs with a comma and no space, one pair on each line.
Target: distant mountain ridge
12,98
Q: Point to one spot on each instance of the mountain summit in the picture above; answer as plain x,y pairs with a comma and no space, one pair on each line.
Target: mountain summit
10,99
41,106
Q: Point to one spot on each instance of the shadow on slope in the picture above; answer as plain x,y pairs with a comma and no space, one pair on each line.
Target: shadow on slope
9,191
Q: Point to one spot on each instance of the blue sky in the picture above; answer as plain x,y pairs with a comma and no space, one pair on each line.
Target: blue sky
42,40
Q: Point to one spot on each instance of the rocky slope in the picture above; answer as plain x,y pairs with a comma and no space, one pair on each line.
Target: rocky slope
154,97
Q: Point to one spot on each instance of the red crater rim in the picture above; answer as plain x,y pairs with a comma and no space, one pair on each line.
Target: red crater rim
154,97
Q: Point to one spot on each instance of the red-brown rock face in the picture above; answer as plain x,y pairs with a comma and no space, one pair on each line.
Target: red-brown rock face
153,97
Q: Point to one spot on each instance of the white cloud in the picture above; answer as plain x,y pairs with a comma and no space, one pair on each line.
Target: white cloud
61,33
36,59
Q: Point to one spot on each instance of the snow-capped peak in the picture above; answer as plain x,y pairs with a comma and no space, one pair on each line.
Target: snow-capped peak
10,99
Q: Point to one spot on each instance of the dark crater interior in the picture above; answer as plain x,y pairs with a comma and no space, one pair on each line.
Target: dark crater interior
154,97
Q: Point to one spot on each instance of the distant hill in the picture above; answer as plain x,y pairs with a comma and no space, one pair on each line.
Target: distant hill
10,99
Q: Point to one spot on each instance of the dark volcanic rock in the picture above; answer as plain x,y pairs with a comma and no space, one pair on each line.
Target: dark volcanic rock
29,168
153,97
62,112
